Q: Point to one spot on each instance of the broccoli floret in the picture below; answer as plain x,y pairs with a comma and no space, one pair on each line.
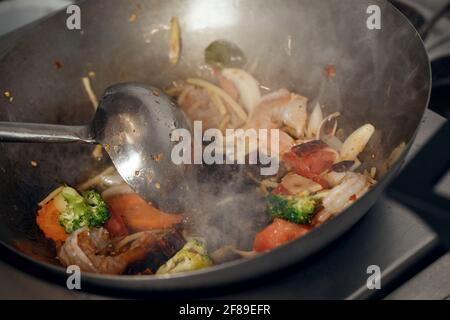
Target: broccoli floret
99,209
298,210
88,210
193,256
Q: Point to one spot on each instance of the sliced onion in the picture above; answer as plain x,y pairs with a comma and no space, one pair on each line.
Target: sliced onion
356,165
116,191
356,142
96,179
315,120
333,141
51,196
334,178
60,203
88,88
247,86
297,184
218,103
132,237
219,91
324,122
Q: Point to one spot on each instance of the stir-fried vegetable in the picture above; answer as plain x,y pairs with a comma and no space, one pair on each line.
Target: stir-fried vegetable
277,234
193,256
224,54
357,142
78,211
222,94
294,209
48,221
247,86
64,210
317,180
90,92
138,215
298,185
175,41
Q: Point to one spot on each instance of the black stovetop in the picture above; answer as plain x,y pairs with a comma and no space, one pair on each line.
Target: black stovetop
389,236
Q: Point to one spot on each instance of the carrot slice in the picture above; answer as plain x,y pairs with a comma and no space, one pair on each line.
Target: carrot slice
115,225
139,215
48,221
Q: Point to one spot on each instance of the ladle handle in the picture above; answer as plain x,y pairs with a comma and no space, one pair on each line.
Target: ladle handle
42,133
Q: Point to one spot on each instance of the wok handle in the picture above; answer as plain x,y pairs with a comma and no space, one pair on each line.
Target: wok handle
415,186
42,133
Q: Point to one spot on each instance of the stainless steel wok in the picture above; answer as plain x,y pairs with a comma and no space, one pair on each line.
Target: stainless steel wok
383,77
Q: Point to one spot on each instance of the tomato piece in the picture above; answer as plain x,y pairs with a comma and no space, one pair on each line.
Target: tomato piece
310,160
277,234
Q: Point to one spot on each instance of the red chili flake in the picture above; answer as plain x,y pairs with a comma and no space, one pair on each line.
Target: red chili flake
58,65
353,198
330,71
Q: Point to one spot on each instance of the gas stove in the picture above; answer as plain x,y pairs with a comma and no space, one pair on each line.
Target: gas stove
412,262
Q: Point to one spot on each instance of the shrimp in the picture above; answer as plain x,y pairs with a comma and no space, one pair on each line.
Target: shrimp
352,187
197,105
90,250
279,109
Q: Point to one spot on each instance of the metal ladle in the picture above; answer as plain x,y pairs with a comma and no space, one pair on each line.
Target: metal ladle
134,124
